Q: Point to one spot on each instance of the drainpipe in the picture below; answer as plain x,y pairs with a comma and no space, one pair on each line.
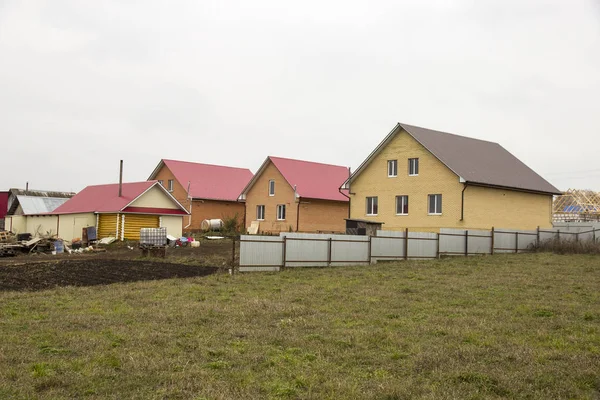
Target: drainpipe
349,192
462,202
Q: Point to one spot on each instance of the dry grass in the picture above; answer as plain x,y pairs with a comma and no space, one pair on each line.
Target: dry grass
568,246
508,326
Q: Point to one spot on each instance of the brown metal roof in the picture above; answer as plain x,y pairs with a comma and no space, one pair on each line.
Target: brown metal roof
476,161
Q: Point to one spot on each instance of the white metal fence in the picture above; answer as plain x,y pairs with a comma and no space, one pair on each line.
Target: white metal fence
271,253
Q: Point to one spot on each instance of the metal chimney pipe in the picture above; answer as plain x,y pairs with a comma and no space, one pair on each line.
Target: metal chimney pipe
121,179
26,187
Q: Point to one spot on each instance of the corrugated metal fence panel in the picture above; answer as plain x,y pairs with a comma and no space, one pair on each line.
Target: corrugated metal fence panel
107,225
313,250
507,240
262,253
479,244
388,245
135,222
424,248
452,244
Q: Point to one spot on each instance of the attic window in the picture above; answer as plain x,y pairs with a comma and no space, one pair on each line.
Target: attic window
271,187
160,181
170,185
392,168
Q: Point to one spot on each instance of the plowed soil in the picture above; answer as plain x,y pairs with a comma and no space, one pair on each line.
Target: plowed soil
90,272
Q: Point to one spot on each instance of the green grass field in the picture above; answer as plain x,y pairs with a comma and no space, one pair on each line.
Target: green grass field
514,326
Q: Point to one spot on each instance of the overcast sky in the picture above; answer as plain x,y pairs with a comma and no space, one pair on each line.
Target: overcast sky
86,83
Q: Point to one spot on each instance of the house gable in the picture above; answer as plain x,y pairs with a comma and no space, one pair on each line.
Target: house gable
155,197
434,178
258,194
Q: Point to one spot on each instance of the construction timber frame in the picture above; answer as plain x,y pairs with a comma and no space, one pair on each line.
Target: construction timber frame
576,205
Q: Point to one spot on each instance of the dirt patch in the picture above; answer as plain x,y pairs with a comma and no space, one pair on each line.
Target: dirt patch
90,272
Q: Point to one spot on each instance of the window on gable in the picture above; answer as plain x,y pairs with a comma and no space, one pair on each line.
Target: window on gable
402,205
260,212
170,185
435,204
161,183
372,206
281,212
413,166
392,168
271,187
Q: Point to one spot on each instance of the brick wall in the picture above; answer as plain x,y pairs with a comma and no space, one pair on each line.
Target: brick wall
323,216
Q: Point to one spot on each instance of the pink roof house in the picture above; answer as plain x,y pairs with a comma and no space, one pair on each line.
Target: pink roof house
298,196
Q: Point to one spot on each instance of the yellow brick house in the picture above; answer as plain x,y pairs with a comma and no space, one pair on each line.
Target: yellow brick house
425,180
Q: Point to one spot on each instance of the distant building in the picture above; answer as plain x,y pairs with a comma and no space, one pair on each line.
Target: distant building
115,212
3,208
25,201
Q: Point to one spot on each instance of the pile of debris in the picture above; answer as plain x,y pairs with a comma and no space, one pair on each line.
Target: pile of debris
11,245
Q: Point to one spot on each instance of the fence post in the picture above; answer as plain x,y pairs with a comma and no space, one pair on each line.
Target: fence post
594,235
558,234
438,246
369,251
284,251
493,238
406,244
466,243
329,252
537,237
516,242
233,256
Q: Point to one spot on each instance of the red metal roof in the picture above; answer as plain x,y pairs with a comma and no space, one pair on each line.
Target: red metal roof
3,204
210,181
104,198
313,180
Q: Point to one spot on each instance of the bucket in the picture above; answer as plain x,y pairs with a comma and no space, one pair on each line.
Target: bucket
59,246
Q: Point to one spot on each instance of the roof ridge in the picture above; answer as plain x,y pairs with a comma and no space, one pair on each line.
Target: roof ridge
403,125
311,162
199,163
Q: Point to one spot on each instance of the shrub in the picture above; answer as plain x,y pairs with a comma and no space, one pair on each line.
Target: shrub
568,246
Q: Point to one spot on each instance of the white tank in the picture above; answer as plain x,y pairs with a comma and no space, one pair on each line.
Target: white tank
211,225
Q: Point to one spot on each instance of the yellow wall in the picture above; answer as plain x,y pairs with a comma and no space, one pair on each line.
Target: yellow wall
156,198
42,225
173,225
323,216
69,225
15,223
484,207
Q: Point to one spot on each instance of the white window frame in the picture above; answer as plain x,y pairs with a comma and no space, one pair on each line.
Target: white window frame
161,182
373,203
413,164
170,185
403,196
436,203
392,168
272,186
280,207
260,217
